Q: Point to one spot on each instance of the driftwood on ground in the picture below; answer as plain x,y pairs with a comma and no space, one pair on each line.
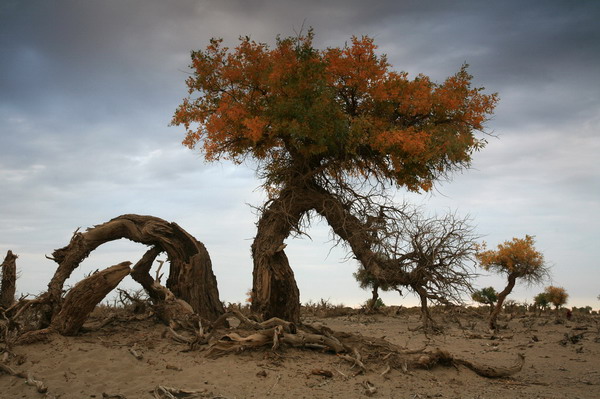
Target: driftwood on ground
364,353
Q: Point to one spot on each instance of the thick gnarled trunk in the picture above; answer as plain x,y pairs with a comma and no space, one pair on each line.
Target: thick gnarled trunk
274,289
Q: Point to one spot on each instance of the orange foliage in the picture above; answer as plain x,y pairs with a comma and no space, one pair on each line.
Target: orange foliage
517,257
339,110
556,295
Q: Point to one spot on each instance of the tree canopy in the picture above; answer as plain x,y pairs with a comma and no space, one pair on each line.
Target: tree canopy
556,295
486,296
517,258
329,131
333,113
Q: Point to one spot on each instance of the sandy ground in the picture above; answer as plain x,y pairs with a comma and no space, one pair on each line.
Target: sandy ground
100,365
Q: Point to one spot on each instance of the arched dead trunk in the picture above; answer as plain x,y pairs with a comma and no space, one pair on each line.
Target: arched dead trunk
191,277
9,278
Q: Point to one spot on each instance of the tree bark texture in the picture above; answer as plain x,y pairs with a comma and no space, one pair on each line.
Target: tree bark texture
85,295
274,292
191,277
274,289
512,280
352,230
9,279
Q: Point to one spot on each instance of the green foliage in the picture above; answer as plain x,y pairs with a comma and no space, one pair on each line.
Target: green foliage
486,296
379,304
367,281
340,112
541,300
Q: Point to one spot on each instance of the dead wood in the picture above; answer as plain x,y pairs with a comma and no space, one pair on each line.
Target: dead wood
9,278
272,322
363,353
81,299
29,378
494,372
33,336
141,273
190,278
168,308
164,392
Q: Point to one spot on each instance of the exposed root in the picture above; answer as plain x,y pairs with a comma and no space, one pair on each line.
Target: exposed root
361,352
494,372
29,378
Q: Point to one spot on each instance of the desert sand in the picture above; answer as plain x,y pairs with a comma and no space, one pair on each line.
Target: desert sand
562,360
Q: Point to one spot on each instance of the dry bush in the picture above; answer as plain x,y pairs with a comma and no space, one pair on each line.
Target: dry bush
324,308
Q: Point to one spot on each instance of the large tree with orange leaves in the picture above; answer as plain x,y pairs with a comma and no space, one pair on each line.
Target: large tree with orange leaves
519,260
319,123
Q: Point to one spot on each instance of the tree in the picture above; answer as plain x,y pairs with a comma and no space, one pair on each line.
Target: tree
519,260
320,125
434,257
367,281
486,296
557,296
541,301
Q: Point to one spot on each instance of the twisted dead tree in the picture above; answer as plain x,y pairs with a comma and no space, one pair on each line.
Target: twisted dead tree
191,291
190,278
437,253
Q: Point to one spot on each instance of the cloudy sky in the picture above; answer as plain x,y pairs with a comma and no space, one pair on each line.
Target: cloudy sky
88,88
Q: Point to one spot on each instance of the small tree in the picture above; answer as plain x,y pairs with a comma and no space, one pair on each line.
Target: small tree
557,296
519,260
541,301
433,257
367,281
486,296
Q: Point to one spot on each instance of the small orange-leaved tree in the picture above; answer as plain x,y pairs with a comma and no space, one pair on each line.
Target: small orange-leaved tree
318,124
557,296
519,260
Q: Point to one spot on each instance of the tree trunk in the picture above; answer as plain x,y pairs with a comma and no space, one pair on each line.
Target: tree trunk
374,298
191,277
424,311
358,236
81,299
9,279
274,289
501,297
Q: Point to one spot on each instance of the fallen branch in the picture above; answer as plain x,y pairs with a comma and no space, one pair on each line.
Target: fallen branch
163,392
29,378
